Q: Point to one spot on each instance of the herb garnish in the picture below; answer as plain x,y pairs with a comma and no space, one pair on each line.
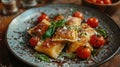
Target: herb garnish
68,55
43,57
52,28
102,32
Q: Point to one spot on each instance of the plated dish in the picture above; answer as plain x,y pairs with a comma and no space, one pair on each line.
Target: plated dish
70,34
20,34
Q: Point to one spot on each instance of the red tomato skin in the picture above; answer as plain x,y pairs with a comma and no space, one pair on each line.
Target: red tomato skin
78,14
33,41
83,52
93,22
43,16
107,1
100,1
97,42
93,39
100,42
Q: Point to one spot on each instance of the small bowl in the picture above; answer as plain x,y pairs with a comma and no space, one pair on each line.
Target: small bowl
107,8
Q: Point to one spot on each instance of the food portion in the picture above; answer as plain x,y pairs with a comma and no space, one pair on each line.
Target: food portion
70,35
68,32
84,36
40,28
101,1
49,47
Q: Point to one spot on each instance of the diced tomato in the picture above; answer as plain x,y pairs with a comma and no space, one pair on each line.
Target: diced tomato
83,52
97,41
43,16
33,41
93,22
78,14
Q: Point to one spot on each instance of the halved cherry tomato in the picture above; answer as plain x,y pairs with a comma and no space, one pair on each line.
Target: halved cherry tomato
83,52
97,41
107,1
93,22
78,14
33,41
43,16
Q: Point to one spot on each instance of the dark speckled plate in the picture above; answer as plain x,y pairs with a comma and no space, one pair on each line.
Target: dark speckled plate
17,36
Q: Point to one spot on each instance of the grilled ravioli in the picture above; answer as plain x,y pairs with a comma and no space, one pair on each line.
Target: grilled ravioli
84,37
40,29
64,34
73,21
74,45
68,32
50,48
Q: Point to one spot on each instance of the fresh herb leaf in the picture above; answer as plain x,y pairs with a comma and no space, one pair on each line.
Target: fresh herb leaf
52,28
48,33
102,32
68,55
60,23
71,55
43,57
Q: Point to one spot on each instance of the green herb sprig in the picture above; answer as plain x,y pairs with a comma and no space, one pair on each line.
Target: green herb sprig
52,28
68,55
102,32
43,57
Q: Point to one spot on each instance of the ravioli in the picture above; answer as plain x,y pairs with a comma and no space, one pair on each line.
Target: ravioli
84,36
64,34
50,48
39,29
69,32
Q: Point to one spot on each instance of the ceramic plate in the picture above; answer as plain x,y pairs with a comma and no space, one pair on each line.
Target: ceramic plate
17,36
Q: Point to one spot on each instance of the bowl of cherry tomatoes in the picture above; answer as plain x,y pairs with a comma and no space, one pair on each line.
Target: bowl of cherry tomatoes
103,4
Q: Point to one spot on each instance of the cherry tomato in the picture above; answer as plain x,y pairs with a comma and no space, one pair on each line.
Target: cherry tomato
83,52
78,14
43,16
100,1
97,41
93,22
33,41
107,1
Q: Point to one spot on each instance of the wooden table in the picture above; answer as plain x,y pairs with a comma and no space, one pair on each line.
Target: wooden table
8,60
